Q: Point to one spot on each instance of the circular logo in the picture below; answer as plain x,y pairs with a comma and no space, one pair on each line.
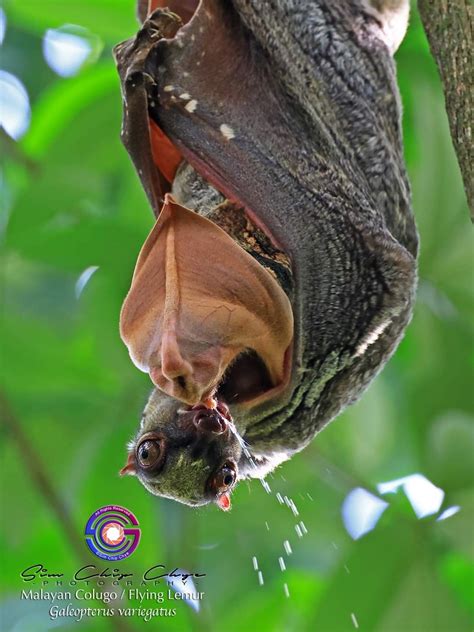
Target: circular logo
112,533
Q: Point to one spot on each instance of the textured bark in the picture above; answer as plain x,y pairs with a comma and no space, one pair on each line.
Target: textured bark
449,25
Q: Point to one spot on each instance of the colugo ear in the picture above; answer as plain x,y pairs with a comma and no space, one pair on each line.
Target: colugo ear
130,467
196,301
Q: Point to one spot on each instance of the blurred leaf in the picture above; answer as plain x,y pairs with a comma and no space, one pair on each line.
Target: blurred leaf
450,448
377,567
457,530
269,609
111,19
389,587
63,101
78,186
73,200
459,574
430,606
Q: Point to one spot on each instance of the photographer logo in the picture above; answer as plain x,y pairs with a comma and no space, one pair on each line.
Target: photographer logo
112,533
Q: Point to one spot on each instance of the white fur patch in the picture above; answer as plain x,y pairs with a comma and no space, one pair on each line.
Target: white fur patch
227,131
371,337
191,105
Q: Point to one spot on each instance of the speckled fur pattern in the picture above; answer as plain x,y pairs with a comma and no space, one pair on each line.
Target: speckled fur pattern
294,111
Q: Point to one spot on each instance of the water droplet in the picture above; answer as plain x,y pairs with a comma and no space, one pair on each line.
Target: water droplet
84,279
425,498
285,588
255,563
287,547
15,111
447,513
281,561
260,578
67,48
361,511
294,509
3,25
186,589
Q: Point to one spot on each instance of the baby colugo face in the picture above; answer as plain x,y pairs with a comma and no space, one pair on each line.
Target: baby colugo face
189,454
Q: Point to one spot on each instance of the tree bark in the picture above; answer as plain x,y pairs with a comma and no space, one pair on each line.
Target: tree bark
449,25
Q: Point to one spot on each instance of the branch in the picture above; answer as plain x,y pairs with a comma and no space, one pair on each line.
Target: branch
45,486
449,25
40,478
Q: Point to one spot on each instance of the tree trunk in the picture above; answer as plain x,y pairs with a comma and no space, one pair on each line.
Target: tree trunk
449,25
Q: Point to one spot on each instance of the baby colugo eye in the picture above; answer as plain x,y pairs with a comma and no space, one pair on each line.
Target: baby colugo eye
148,453
224,479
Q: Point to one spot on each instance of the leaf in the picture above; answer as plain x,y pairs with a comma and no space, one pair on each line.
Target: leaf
458,573
62,102
113,20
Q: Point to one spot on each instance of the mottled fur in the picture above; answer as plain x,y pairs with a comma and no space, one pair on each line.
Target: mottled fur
308,88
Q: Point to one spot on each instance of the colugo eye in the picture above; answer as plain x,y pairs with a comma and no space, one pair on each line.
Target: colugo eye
149,453
225,478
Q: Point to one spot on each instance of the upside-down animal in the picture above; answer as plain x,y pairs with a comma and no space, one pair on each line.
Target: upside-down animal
280,274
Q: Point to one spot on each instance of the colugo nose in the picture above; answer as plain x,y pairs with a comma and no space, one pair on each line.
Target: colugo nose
210,420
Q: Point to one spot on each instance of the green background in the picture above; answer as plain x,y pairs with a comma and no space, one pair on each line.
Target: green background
70,200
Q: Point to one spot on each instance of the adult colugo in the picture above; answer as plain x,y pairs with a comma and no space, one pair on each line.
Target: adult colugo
281,271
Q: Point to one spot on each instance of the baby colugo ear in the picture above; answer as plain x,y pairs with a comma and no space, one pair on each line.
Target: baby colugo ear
196,301
130,467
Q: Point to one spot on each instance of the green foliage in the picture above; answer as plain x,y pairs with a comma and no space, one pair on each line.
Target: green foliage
72,200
